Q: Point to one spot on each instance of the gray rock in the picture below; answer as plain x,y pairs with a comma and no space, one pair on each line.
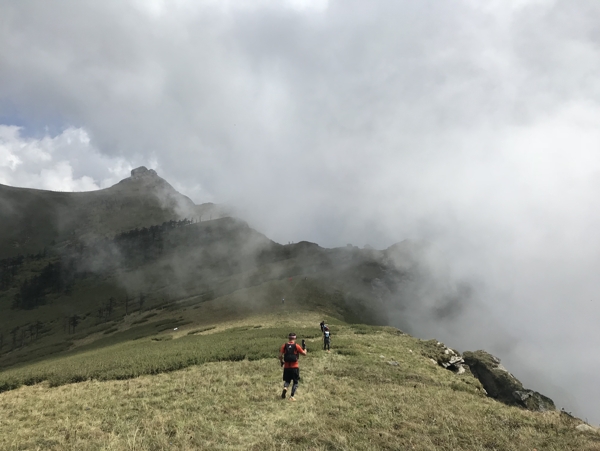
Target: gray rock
455,364
444,356
502,385
533,400
586,428
393,363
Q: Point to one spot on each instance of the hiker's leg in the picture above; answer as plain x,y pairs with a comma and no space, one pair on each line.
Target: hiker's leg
285,389
296,379
287,377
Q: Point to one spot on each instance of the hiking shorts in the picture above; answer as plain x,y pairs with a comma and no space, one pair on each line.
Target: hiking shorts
291,374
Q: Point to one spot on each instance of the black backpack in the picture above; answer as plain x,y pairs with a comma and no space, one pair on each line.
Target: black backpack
290,354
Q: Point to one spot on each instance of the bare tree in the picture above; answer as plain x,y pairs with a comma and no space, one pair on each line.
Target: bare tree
110,305
14,336
142,301
73,322
38,327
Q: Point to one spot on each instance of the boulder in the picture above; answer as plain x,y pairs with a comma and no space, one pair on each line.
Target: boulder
533,400
502,385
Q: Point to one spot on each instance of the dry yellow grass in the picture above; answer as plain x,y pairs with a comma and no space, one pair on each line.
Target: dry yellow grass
348,399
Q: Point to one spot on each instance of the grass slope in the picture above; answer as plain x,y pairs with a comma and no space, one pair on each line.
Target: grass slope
218,387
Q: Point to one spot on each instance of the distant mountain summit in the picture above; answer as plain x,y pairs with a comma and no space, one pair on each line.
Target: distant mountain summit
143,172
32,219
144,178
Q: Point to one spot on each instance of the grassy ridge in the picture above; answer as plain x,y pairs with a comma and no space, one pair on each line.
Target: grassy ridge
150,356
376,390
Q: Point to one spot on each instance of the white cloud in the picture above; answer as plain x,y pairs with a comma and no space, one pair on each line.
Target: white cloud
309,5
47,162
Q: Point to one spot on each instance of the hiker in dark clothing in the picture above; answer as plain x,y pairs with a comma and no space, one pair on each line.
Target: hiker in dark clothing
322,324
288,356
326,339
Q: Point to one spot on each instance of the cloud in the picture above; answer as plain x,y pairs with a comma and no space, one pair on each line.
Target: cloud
471,125
52,162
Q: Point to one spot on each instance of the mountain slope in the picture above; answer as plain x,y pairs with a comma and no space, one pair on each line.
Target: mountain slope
78,290
377,389
31,219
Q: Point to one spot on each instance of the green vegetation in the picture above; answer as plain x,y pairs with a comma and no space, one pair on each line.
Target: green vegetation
220,390
124,360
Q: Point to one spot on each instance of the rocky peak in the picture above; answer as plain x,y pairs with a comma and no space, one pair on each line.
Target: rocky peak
143,172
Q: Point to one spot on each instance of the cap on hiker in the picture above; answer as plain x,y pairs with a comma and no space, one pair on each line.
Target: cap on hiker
292,335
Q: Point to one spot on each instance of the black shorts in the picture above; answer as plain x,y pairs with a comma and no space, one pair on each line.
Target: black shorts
290,374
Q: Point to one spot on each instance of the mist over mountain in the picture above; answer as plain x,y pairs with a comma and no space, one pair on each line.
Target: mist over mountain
469,129
142,239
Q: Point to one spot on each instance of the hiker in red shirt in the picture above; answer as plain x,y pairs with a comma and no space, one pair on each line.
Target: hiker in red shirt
288,356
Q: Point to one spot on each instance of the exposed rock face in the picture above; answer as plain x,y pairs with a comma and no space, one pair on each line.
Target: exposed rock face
502,385
142,171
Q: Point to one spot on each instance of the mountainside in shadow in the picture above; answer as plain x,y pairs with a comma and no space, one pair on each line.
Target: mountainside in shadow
31,220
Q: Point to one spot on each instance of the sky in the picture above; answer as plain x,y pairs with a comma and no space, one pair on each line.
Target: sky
472,125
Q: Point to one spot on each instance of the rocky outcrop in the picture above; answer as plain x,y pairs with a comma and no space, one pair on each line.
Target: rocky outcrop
143,171
502,385
444,356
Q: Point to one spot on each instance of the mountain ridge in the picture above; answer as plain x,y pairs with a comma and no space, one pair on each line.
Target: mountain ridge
100,289
32,219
